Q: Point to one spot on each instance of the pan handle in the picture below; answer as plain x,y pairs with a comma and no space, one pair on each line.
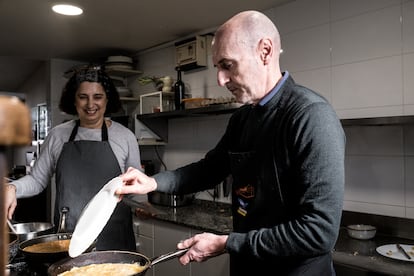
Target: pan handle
168,256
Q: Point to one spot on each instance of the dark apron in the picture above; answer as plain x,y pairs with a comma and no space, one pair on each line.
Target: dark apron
83,168
256,204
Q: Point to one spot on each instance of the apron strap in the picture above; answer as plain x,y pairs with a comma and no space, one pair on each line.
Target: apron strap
75,131
104,132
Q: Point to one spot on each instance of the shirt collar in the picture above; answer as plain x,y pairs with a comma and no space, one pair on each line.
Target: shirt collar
276,89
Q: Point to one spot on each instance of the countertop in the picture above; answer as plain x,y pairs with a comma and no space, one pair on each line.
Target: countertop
216,217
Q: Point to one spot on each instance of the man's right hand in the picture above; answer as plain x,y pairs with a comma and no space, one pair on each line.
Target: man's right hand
136,182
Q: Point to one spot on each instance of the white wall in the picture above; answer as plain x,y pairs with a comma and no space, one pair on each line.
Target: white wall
359,54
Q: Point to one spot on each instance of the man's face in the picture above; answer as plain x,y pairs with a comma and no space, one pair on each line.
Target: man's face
237,68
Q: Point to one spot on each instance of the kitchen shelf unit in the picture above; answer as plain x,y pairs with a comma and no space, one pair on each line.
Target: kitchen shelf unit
158,122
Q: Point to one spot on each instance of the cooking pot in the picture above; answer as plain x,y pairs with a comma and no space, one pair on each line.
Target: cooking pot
29,230
101,257
170,200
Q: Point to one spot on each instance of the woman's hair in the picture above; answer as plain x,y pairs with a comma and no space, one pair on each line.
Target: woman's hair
91,74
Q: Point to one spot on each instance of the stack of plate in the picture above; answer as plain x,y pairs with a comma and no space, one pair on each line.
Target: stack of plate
123,91
119,62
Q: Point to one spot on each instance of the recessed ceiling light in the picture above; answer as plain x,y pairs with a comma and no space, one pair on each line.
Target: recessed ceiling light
67,9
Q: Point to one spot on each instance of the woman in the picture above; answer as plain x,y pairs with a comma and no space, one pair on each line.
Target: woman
83,155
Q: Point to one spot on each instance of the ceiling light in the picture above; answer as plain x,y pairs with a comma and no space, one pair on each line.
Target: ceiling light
67,9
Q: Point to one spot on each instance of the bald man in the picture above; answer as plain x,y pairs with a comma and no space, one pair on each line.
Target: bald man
285,151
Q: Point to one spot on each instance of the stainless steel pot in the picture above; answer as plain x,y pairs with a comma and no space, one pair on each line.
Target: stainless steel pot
170,200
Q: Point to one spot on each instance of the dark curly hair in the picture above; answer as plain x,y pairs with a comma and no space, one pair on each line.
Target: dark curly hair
91,74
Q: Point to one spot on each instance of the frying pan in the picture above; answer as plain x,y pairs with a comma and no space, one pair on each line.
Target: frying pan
101,257
41,258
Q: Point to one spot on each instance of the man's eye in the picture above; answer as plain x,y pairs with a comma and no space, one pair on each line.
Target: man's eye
227,65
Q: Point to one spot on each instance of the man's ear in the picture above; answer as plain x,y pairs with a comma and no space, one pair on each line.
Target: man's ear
266,50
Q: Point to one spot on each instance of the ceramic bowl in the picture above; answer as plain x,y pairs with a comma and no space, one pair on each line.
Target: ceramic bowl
361,231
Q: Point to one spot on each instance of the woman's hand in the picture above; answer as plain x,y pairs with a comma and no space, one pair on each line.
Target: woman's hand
202,247
136,182
10,200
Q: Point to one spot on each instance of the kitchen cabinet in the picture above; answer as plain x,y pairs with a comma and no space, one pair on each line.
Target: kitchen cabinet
158,237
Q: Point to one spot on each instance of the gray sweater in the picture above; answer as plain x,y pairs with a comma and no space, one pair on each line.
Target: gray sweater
295,216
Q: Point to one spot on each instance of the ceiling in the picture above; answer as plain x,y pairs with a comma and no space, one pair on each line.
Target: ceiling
31,32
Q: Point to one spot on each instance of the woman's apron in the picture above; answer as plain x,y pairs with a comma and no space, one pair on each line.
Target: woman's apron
83,168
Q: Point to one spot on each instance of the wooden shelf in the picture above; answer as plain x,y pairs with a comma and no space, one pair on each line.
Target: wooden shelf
158,122
123,73
129,99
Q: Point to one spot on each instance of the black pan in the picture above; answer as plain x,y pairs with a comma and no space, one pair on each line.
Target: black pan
40,258
101,257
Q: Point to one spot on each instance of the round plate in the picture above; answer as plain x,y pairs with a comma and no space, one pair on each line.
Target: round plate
94,217
391,251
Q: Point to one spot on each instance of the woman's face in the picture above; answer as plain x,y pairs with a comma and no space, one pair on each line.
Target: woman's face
90,102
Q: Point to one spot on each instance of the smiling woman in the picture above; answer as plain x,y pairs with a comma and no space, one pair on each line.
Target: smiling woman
67,9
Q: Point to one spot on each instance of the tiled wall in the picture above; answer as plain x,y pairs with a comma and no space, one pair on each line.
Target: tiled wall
359,54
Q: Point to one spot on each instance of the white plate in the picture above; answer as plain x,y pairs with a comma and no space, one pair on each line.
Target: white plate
391,251
94,217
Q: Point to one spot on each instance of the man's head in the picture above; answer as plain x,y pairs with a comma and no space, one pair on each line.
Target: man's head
246,52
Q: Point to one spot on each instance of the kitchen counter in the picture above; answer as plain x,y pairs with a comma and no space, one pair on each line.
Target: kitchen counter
203,215
216,217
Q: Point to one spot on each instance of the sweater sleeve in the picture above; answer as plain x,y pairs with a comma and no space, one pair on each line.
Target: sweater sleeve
43,169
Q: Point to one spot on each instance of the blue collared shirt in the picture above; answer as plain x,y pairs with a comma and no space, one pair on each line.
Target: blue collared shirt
276,89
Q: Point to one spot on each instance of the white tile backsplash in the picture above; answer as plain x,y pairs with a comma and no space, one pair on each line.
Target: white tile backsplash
377,209
357,85
408,26
375,179
409,181
374,140
371,35
300,14
408,79
317,54
409,213
318,80
343,9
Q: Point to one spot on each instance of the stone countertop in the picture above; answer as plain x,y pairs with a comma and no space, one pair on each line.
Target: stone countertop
203,215
216,217
363,254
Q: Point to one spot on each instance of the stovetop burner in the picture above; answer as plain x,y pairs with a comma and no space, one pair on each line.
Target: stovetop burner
20,267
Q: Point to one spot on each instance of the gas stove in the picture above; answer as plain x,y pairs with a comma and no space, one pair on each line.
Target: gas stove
19,266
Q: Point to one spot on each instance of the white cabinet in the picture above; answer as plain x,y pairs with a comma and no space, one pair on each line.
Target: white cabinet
157,238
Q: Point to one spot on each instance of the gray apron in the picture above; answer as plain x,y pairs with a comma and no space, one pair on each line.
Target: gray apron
83,168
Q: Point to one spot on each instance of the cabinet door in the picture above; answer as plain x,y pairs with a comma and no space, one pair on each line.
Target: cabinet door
166,237
217,266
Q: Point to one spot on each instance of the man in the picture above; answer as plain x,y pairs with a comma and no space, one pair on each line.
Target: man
285,150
